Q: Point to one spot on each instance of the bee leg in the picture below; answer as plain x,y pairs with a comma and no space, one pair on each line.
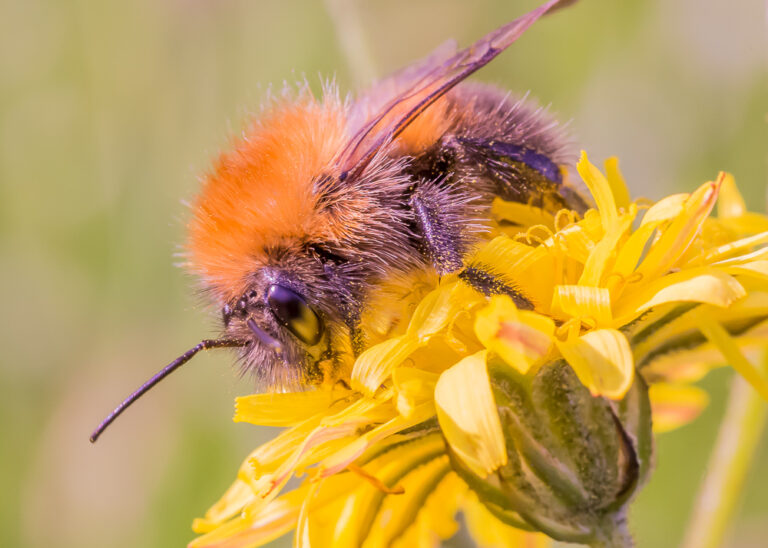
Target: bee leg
440,239
488,284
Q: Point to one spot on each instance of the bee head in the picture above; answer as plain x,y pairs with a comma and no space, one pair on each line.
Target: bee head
286,246
293,318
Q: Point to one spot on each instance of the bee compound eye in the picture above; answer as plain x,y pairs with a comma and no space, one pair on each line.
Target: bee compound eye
294,313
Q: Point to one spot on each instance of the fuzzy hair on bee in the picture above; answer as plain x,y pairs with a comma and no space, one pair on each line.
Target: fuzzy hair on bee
322,202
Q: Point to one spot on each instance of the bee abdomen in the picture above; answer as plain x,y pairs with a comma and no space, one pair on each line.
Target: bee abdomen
513,172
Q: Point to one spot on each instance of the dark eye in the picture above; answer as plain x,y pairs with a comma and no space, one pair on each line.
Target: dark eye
293,312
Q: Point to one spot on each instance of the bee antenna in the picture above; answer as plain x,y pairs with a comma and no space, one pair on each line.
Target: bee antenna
160,375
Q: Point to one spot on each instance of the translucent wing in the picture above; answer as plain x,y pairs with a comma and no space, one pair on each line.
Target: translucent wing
379,99
418,86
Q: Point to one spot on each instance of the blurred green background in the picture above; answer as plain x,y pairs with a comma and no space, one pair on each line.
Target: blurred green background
109,111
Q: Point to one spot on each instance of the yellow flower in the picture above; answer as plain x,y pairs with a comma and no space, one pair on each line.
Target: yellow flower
434,417
673,292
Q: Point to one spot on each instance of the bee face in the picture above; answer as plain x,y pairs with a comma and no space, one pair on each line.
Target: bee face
285,335
291,320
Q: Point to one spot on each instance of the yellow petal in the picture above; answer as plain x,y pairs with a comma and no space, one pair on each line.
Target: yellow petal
616,180
268,457
703,285
755,269
514,258
605,251
760,254
439,308
577,241
233,500
433,315
723,252
669,350
748,223
665,209
627,258
718,336
629,252
266,485
577,301
437,519
301,538
276,519
677,237
400,512
288,409
279,516
273,461
603,361
352,450
414,387
600,189
468,415
682,366
520,338
374,365
674,405
362,504
730,203
270,466
523,215
488,532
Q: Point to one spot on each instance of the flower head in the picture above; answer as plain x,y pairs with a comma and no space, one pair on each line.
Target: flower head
516,408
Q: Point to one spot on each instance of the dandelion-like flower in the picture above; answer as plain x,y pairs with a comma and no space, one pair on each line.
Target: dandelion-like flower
532,421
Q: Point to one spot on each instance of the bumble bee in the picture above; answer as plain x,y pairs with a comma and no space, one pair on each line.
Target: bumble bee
322,201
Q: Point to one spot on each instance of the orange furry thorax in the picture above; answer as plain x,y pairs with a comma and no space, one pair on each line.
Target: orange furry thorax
261,193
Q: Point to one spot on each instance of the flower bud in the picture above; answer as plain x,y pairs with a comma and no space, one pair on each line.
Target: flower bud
574,460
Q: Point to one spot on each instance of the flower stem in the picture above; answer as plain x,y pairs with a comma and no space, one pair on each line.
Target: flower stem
615,535
729,463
